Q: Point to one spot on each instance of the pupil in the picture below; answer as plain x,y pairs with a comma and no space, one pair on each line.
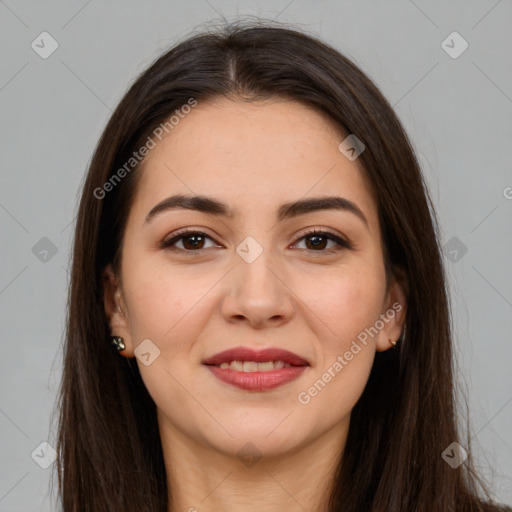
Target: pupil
316,243
194,244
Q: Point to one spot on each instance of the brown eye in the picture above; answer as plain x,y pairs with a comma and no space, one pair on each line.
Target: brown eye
317,241
191,241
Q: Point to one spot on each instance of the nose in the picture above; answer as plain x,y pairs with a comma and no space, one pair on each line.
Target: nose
258,294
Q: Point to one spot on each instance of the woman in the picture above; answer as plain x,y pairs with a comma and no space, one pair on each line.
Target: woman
257,242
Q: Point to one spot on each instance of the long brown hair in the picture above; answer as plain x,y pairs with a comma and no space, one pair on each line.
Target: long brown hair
109,452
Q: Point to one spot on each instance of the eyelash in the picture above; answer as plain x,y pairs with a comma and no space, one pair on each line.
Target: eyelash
186,233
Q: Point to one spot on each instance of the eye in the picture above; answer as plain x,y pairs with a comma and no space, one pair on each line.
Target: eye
191,241
317,241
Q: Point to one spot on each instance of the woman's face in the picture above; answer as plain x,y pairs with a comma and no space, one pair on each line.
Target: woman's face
253,278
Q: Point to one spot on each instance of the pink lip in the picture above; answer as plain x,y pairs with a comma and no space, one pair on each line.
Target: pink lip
257,381
258,356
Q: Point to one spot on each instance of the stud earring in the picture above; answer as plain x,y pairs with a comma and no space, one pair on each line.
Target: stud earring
392,342
118,343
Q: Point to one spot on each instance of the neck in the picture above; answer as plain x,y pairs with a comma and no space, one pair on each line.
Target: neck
201,478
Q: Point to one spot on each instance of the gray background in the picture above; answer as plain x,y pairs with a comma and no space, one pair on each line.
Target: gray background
456,110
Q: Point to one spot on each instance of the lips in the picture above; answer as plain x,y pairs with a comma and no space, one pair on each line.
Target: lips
246,354
252,370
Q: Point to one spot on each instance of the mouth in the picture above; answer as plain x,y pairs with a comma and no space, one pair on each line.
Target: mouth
252,370
253,366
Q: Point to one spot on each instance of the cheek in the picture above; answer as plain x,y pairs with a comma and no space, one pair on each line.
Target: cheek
342,311
170,309
160,302
343,305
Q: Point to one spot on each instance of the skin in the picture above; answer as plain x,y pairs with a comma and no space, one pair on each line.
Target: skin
192,305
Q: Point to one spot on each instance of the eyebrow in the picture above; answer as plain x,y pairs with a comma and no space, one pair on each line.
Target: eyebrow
288,210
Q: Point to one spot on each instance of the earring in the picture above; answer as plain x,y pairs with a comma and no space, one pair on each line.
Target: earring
118,343
392,343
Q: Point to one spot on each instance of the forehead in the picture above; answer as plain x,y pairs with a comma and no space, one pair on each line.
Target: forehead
259,153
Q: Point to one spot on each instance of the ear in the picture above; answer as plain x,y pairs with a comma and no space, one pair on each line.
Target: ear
115,309
394,311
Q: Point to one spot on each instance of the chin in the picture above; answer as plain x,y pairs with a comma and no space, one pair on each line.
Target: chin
250,446
271,433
